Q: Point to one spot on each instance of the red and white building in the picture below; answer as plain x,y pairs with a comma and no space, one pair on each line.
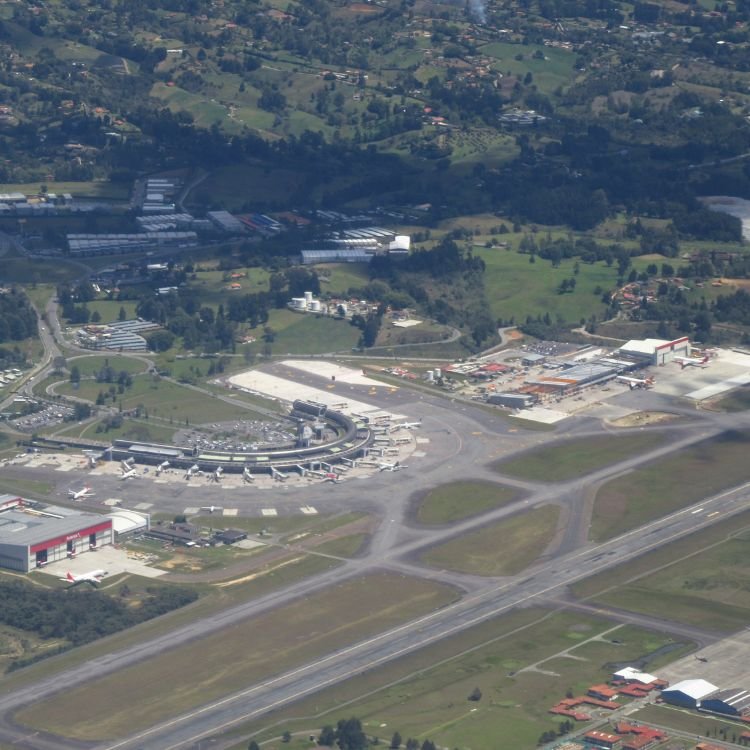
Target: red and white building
33,534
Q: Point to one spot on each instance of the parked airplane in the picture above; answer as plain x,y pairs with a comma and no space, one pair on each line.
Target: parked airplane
128,473
410,425
211,508
161,467
81,494
278,475
247,476
633,383
192,471
691,361
216,476
392,467
93,577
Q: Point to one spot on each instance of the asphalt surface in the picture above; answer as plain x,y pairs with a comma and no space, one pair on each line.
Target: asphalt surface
463,441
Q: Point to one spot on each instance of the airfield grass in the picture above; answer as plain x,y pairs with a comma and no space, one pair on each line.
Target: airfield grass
26,487
703,578
651,491
425,694
309,334
685,720
350,545
161,398
738,400
517,288
137,430
204,670
577,457
33,271
500,549
459,500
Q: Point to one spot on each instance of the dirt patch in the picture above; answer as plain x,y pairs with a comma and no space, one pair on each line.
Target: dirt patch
642,418
182,563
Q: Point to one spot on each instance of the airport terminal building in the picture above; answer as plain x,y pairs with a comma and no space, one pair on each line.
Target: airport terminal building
33,534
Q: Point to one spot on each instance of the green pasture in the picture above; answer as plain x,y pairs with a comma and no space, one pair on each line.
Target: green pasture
213,286
208,668
161,398
89,366
517,288
577,457
338,278
500,549
297,333
425,694
556,69
115,191
650,491
137,430
33,271
109,310
459,500
703,578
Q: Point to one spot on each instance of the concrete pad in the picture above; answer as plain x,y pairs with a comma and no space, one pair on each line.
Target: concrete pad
249,544
256,381
191,511
114,561
411,322
540,414
143,506
417,454
723,386
64,468
329,370
726,666
268,512
231,511
113,501
423,440
308,510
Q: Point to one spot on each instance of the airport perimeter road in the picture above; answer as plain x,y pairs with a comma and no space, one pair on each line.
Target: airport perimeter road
186,730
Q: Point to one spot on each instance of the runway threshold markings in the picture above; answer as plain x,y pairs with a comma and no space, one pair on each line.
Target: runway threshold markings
309,510
269,512
231,511
143,506
191,511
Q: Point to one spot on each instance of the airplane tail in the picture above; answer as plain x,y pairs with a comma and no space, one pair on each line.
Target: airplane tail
69,576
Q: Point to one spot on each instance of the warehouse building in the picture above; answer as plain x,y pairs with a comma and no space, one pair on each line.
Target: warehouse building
729,702
33,534
688,693
656,351
513,400
129,523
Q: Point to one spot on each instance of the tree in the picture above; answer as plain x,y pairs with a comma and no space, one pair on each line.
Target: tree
287,736
395,741
476,695
349,735
122,315
412,744
327,736
96,316
75,374
253,745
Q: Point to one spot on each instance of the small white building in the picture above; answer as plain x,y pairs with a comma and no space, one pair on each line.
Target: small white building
657,351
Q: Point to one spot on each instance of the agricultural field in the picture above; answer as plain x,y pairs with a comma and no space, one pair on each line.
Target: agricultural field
338,278
577,457
517,288
524,537
650,491
459,500
425,694
703,579
208,668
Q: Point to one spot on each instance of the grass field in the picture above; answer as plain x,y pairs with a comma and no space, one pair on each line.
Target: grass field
459,500
109,309
161,398
577,457
32,271
93,189
650,491
90,366
689,721
338,278
139,430
206,669
737,400
703,579
500,549
424,695
27,487
344,546
517,288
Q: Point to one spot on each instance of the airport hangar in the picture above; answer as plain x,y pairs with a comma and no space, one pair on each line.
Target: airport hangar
33,534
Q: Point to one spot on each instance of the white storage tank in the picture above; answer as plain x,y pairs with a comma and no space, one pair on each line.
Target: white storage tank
308,297
430,375
299,303
314,305
438,373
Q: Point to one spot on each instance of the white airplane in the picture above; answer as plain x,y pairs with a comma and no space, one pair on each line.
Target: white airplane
81,494
93,577
410,425
211,508
691,361
392,467
247,476
633,383
218,474
278,475
128,473
161,467
194,469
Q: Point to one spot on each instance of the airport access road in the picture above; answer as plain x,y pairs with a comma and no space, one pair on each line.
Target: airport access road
539,582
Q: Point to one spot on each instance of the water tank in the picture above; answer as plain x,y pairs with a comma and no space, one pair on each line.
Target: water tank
438,373
314,305
430,375
308,297
299,303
